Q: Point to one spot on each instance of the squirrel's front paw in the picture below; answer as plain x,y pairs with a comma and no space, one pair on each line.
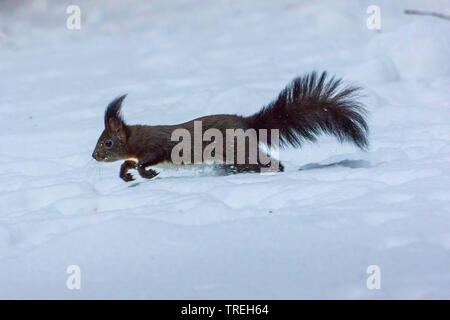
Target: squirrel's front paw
148,174
127,177
152,173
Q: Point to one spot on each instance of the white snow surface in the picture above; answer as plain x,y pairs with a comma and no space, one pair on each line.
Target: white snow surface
190,233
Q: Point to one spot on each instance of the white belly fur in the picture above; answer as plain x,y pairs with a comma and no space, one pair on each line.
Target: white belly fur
165,164
172,165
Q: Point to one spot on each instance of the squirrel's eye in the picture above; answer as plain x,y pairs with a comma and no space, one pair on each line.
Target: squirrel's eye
108,144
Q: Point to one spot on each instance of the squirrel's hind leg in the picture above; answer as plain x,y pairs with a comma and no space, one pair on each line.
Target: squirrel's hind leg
241,168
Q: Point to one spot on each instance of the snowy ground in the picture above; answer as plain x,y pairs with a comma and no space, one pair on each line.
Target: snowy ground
191,234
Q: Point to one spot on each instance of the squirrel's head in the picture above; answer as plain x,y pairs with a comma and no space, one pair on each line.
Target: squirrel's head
111,145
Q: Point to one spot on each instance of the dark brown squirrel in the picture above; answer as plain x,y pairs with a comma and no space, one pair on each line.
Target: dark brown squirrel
308,106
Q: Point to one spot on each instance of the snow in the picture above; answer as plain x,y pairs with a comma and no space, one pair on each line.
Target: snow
190,233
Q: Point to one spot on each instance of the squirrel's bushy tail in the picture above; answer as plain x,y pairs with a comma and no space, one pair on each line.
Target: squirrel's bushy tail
312,105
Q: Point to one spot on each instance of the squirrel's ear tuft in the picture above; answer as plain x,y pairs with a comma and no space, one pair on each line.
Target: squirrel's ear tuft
112,113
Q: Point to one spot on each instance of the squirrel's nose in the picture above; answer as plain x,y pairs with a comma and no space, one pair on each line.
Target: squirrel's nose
96,156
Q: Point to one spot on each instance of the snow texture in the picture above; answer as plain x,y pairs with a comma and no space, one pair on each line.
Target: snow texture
190,233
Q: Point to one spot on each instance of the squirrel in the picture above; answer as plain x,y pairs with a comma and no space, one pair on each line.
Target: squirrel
308,106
